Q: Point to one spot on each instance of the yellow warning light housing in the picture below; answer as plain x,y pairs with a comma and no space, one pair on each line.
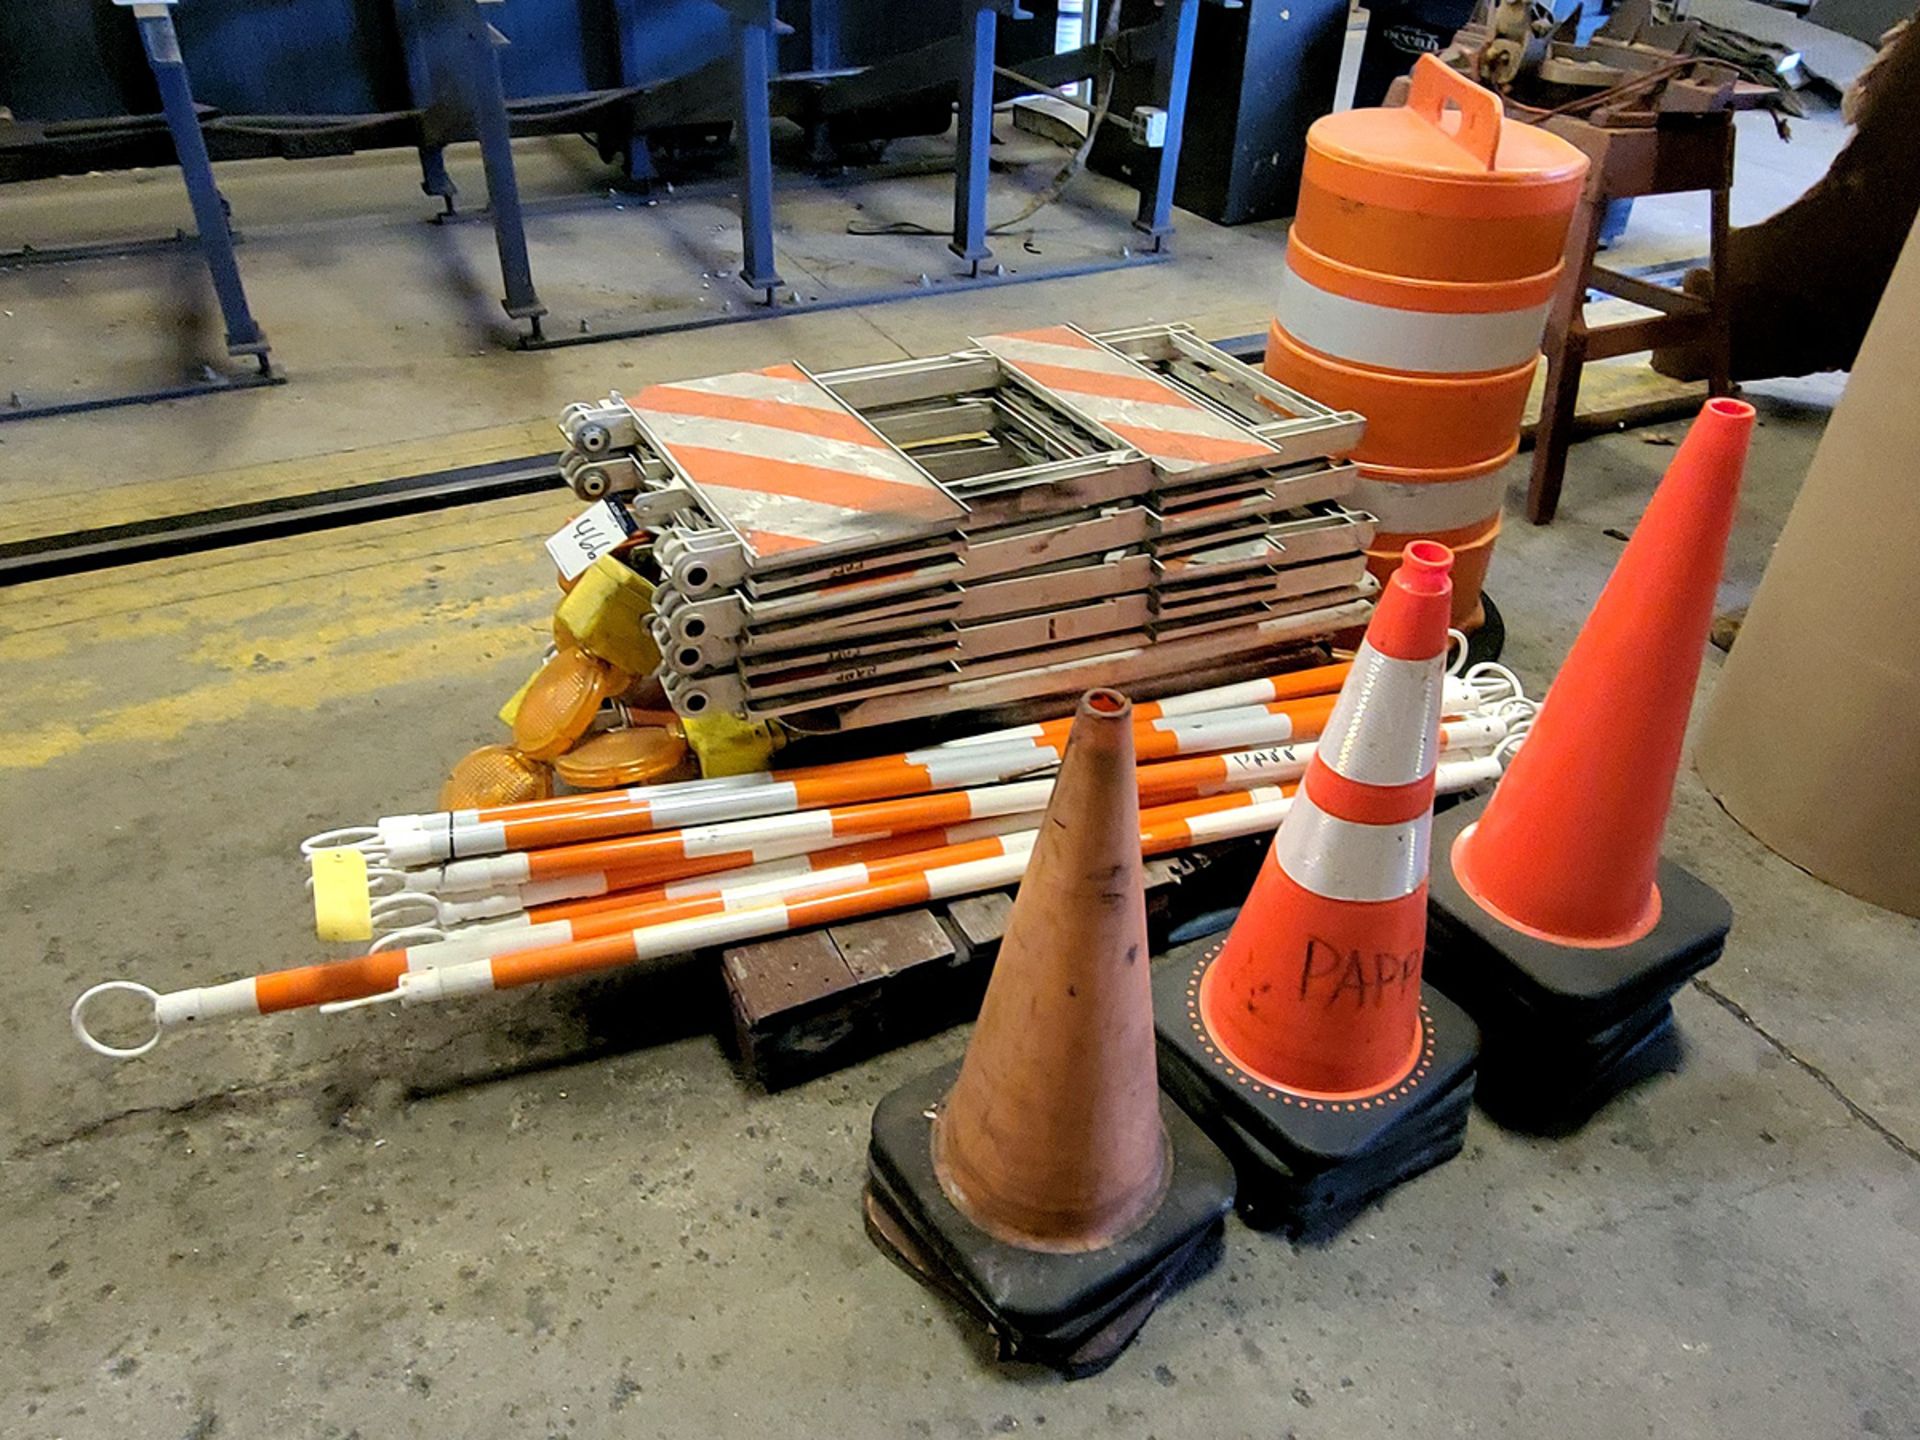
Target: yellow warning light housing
561,701
605,614
495,775
613,758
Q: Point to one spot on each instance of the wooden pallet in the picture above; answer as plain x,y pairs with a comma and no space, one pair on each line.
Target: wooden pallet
818,1000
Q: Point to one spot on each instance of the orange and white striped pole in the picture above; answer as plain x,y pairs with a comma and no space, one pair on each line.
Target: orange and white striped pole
616,889
1293,685
1160,834
596,867
598,889
1164,830
1317,987
917,773
637,909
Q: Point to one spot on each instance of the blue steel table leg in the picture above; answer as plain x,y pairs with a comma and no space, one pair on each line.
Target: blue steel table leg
823,53
630,21
496,155
157,35
434,179
1172,69
975,139
754,43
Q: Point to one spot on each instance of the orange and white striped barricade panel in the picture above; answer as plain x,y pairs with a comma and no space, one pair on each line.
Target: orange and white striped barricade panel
1289,485
1046,610
1328,529
1297,427
998,552
1176,432
932,627
974,422
724,691
787,467
1270,587
1170,651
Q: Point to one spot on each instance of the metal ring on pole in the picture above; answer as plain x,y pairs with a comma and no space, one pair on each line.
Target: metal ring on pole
364,838
100,1047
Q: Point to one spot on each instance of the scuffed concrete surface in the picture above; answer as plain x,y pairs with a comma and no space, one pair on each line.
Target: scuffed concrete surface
562,1213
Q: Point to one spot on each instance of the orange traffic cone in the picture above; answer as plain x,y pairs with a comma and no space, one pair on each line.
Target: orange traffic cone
1306,1042
1555,920
1047,1185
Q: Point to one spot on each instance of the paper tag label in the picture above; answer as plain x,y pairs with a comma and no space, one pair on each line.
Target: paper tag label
594,532
342,909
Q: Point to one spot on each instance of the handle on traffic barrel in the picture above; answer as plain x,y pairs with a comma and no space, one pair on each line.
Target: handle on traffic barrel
1436,85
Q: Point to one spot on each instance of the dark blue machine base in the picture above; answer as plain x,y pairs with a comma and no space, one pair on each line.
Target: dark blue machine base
1565,1029
1307,1165
1075,1313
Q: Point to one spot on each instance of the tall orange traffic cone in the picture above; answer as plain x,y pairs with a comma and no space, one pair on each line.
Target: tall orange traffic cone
1306,1042
1555,920
1047,1185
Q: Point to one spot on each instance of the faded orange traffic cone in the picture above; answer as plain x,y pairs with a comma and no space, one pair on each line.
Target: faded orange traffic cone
1306,1042
1555,920
1046,1184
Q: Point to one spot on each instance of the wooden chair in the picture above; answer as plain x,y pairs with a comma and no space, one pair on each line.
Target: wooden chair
1671,154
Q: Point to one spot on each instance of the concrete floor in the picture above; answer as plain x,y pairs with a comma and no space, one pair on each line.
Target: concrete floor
561,1212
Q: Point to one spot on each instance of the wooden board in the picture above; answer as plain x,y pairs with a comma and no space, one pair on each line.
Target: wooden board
816,1001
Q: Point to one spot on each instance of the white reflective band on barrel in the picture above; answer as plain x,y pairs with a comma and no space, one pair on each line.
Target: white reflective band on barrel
1427,507
1385,728
1344,860
1424,341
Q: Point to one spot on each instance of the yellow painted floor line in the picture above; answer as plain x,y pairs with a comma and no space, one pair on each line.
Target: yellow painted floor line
150,653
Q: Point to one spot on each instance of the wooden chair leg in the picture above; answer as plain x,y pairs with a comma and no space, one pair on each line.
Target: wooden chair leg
1554,434
1720,318
1566,350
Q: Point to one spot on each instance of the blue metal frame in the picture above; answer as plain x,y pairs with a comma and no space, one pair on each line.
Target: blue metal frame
162,44
434,179
753,29
975,138
489,101
453,69
1173,68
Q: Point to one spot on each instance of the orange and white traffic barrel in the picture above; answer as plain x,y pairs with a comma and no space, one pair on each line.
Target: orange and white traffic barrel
1423,256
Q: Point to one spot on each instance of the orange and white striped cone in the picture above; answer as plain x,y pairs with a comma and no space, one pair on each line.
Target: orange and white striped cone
1556,921
1306,1041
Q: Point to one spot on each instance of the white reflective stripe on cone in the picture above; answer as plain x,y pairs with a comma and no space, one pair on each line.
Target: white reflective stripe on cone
1344,860
1427,507
1385,727
1425,341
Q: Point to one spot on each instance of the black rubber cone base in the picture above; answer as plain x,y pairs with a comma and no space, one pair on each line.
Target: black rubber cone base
1564,1028
1307,1165
1075,1313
